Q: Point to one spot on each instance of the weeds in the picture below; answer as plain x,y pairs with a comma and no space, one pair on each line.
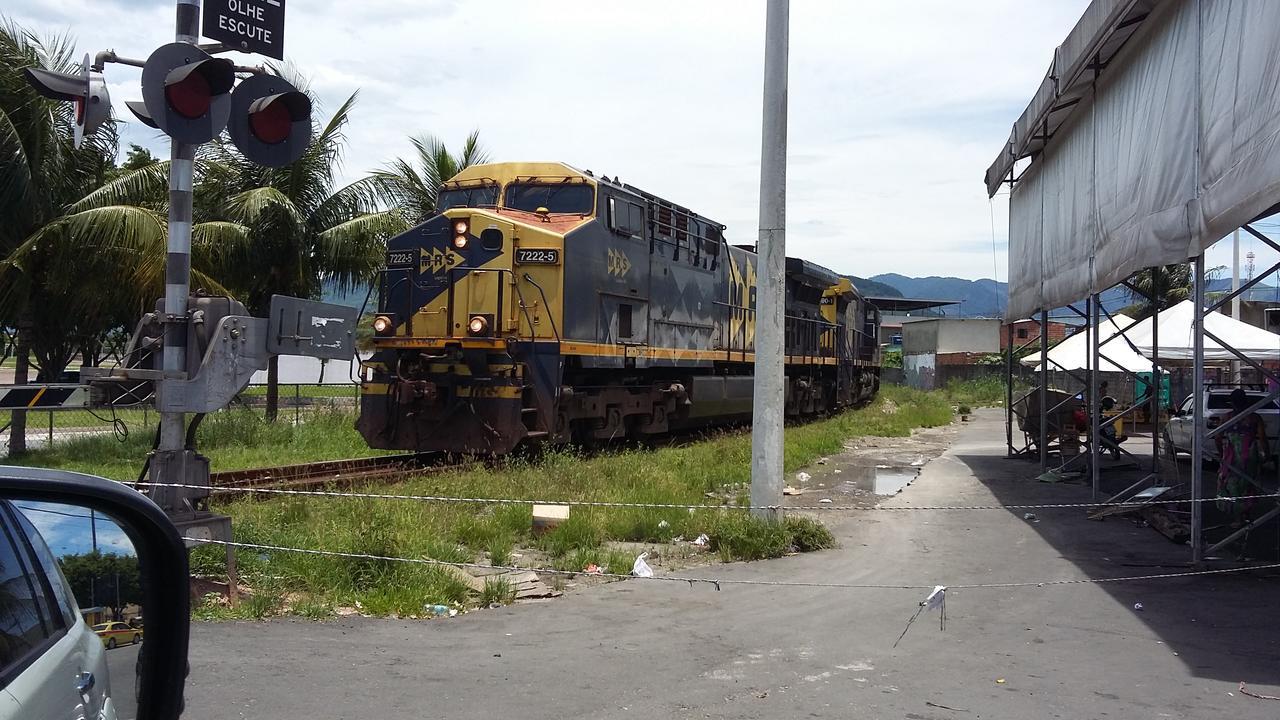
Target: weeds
462,532
497,591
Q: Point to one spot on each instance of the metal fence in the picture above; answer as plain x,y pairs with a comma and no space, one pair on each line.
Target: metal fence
49,428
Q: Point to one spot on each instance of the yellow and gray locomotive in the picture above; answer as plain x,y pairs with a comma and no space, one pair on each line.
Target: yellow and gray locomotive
547,304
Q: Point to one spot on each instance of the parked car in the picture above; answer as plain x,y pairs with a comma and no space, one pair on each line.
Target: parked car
1178,433
51,663
117,633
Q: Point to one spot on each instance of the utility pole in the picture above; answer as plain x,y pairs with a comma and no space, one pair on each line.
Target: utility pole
768,408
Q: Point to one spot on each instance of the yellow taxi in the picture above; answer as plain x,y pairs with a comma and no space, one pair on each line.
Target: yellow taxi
117,633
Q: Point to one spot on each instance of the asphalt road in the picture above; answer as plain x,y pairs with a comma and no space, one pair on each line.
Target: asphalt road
122,669
655,649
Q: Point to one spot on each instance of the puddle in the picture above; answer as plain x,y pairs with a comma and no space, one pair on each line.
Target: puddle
877,479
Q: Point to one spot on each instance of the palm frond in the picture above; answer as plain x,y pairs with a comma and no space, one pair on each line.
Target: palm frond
145,186
249,206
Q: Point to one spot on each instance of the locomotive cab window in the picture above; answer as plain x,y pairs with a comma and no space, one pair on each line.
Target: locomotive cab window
467,197
625,218
555,197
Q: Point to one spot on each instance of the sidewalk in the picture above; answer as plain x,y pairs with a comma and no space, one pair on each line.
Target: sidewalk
653,649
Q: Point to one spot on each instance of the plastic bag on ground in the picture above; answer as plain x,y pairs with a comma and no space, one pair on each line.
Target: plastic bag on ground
641,568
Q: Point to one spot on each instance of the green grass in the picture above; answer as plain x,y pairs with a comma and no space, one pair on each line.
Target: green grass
979,392
458,532
232,439
315,586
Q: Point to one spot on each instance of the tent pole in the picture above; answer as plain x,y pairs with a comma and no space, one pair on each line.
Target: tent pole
1044,390
1008,394
1197,416
1091,396
1155,375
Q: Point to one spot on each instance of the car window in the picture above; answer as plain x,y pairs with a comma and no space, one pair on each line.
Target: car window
1186,404
27,618
58,584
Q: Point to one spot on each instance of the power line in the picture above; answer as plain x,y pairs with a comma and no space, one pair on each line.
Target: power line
696,506
718,582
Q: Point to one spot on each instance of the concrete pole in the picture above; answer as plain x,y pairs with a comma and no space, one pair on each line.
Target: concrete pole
1197,413
770,380
178,262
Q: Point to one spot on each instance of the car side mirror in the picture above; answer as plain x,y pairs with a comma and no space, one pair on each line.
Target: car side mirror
98,521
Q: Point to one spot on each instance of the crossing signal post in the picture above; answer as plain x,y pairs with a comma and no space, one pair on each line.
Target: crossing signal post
192,96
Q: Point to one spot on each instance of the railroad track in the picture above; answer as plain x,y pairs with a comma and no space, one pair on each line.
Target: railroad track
339,473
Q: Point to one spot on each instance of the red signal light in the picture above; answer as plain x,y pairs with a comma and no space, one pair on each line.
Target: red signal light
79,105
272,123
190,97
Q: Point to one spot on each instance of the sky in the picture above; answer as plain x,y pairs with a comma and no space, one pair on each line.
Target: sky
895,109
69,530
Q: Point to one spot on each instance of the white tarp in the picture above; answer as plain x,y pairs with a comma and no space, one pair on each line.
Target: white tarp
1073,352
1178,144
1176,337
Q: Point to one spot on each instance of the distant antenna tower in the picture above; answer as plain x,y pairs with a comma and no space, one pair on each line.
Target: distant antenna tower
1248,266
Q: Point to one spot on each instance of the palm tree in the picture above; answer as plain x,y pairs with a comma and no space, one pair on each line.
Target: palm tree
289,230
412,185
1171,284
64,249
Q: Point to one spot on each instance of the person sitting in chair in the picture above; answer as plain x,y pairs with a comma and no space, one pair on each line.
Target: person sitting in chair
1107,428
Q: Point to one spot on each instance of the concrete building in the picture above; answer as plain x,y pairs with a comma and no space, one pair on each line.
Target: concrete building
1028,332
932,344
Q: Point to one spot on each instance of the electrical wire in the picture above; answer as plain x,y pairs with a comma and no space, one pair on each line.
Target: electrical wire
718,582
704,506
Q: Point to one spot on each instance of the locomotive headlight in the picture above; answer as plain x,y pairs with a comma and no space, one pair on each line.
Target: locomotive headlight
461,228
478,325
383,325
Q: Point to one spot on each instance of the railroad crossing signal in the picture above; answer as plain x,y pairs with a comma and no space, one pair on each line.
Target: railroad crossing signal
87,90
186,93
270,120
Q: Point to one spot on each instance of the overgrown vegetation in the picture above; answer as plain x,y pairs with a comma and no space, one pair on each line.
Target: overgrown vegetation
314,586
980,392
500,534
232,439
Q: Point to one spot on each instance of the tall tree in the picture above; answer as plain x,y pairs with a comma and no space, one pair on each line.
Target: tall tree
411,185
1171,284
288,231
105,579
61,260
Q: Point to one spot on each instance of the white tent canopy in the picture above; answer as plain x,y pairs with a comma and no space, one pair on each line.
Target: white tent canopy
1073,353
1177,337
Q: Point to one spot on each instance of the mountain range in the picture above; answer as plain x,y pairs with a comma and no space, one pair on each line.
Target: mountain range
986,297
975,298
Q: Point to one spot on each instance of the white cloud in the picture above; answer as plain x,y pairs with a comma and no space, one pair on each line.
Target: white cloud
896,109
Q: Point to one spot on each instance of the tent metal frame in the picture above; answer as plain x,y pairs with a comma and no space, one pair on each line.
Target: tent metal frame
1201,436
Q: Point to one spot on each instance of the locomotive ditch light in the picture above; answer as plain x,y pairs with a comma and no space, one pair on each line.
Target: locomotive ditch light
383,325
270,120
186,92
478,325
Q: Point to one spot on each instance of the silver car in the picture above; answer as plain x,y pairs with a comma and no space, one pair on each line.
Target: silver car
1178,433
52,665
